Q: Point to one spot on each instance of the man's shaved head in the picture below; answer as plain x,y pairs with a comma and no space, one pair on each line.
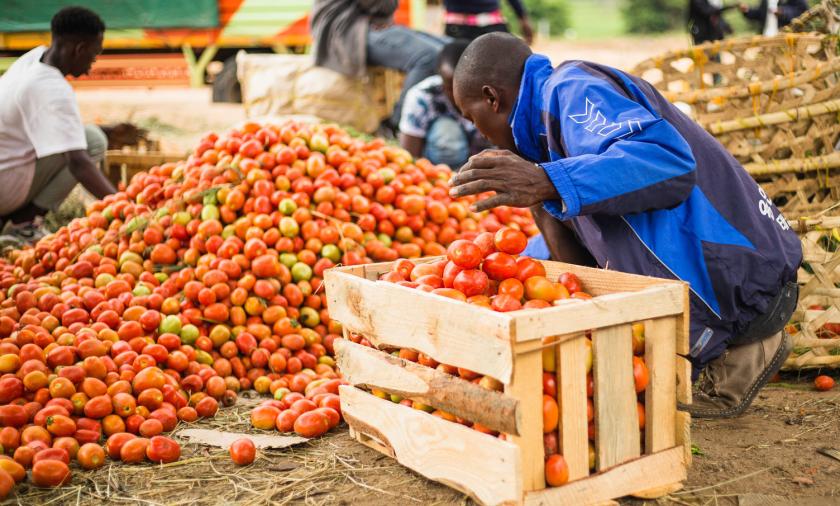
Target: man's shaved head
495,59
486,84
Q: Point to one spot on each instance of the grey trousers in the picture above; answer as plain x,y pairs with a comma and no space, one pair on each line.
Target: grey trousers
53,181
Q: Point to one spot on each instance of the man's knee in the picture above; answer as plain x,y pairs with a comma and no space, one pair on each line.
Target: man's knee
97,142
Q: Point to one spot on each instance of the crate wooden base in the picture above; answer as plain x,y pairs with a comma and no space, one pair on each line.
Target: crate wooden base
463,459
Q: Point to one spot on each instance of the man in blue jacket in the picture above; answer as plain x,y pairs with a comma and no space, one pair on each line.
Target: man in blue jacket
617,175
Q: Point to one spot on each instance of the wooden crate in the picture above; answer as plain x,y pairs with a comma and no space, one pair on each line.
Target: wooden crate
509,347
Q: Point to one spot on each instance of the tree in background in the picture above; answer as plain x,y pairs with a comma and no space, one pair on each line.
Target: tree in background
654,16
556,12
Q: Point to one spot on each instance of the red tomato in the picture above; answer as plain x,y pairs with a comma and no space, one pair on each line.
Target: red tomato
556,471
823,383
640,374
163,450
510,241
464,254
504,303
500,266
470,282
571,282
242,451
312,424
527,268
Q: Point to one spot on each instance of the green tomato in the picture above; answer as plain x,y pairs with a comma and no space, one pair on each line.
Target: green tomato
160,213
289,227
171,324
385,239
181,218
189,333
309,317
140,290
325,359
102,280
387,174
210,199
108,213
202,357
161,276
210,212
228,231
288,259
130,256
287,207
301,272
332,252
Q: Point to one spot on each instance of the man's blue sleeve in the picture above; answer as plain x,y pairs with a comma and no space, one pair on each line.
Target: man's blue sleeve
621,158
537,248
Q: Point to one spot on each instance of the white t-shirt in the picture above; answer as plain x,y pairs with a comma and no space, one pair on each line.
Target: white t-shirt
39,117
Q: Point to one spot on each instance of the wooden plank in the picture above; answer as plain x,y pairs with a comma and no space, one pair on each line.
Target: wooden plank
660,395
484,467
683,345
571,394
683,367
364,366
574,315
601,281
651,471
616,416
683,435
447,330
526,387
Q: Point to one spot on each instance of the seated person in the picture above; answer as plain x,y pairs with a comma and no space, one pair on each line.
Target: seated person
348,35
431,126
44,148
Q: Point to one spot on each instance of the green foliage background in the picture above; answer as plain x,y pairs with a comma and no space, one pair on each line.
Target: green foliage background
555,11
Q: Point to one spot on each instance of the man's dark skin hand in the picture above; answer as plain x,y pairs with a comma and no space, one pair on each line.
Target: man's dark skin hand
516,181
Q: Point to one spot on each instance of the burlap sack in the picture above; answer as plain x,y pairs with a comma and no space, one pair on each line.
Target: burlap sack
280,84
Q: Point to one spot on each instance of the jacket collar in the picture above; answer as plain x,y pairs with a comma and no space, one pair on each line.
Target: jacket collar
526,117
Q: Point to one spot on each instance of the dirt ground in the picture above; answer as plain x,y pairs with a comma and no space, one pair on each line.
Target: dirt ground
767,457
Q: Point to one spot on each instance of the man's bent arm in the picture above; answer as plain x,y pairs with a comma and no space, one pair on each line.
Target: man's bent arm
88,174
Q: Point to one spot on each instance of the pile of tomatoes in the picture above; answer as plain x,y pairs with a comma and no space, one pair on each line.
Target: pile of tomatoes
202,278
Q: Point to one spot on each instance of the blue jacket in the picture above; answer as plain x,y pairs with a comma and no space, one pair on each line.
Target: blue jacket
650,192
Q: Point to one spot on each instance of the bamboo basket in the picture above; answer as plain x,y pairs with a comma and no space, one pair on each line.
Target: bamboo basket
792,154
823,17
725,80
816,341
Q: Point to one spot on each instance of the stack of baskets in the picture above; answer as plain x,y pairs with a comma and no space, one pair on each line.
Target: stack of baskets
774,103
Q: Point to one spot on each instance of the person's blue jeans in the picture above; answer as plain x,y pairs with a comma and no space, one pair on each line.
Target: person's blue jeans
409,51
446,142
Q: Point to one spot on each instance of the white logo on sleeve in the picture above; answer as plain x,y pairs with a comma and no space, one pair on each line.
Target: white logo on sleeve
595,122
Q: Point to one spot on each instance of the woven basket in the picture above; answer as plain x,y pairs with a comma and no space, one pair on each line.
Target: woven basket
724,80
816,341
823,18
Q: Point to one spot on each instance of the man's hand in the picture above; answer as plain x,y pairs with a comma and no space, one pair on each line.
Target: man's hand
517,182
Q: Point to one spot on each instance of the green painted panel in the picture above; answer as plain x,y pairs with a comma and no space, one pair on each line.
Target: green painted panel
261,18
29,16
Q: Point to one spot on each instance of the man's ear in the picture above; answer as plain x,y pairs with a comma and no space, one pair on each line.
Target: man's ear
491,95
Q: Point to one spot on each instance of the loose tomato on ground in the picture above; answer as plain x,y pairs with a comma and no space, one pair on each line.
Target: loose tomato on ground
242,451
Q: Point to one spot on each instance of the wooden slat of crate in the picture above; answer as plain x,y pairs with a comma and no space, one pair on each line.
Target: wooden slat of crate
366,367
660,408
448,331
616,417
477,464
571,396
526,387
652,471
572,315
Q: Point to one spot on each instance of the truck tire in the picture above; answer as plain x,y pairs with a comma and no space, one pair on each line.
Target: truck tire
226,86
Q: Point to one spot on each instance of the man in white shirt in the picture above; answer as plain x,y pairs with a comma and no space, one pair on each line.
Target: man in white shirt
44,148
